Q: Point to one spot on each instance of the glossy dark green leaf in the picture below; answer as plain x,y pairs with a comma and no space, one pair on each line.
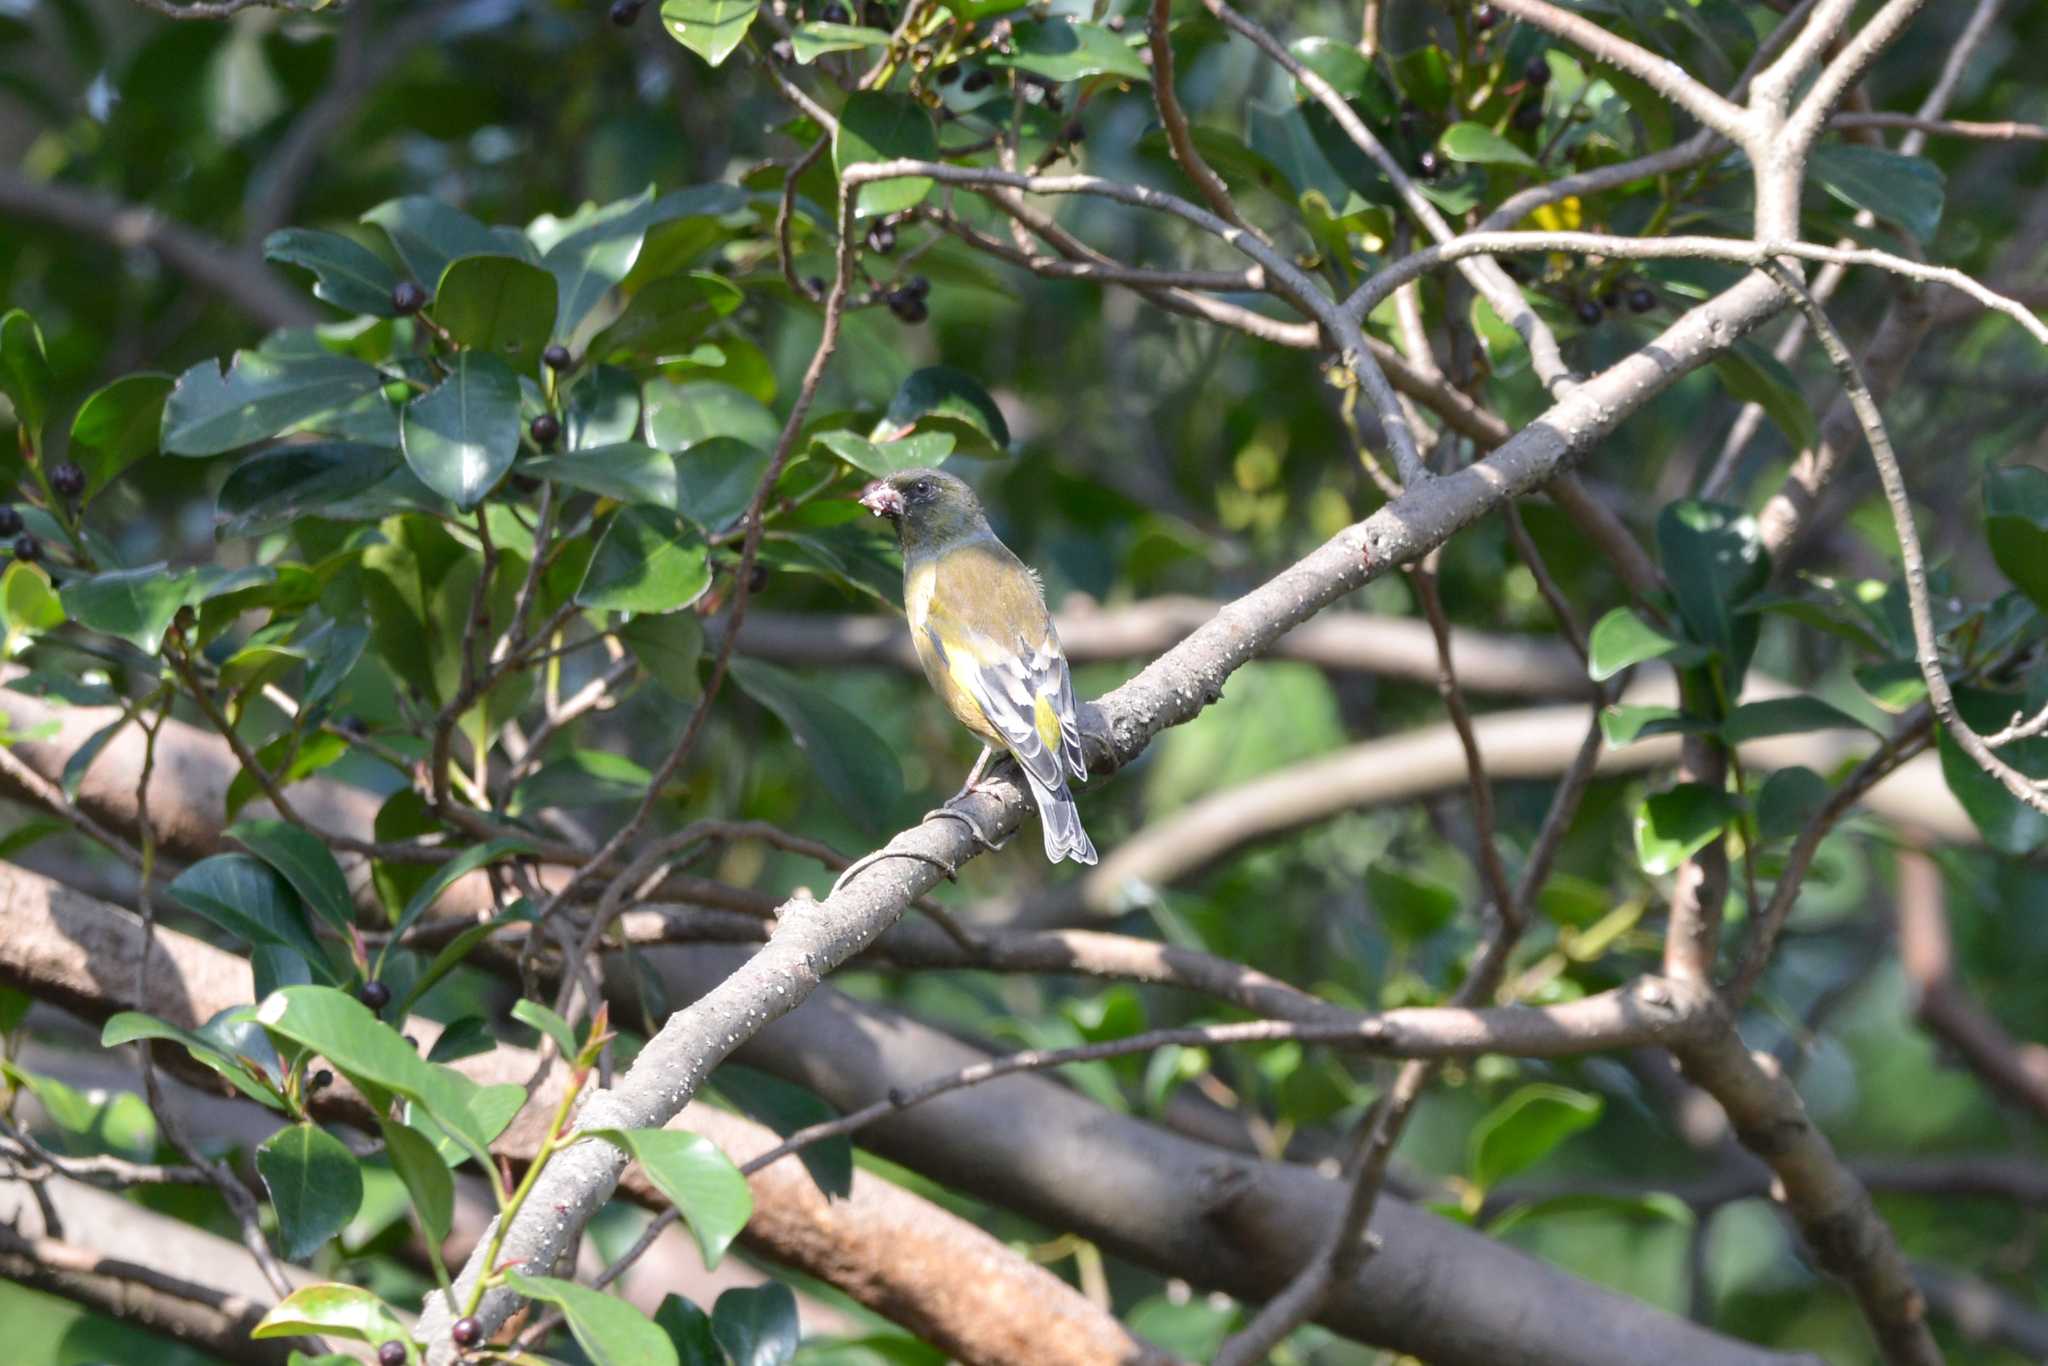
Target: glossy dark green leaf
787,1107
812,41
853,764
2007,824
470,1035
334,1310
1526,1128
1621,638
880,459
1411,907
426,1177
627,471
603,409
138,605
584,777
25,371
1714,557
315,1186
1788,800
1784,716
1479,145
429,234
878,127
1656,1206
1671,827
448,874
1349,74
1906,190
130,1026
1624,724
304,861
610,1331
941,398
648,560
538,1017
461,438
699,1180
346,273
716,480
689,1331
260,395
1060,49
1893,684
709,28
28,600
757,1325
81,760
670,648
1754,375
667,316
245,897
681,415
117,426
2016,525
498,306
340,481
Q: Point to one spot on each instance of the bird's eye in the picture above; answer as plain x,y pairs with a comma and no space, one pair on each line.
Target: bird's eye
922,488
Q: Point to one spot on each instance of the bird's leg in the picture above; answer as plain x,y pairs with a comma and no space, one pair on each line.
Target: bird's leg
974,776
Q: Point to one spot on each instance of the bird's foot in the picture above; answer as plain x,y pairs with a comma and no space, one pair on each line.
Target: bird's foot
974,827
854,868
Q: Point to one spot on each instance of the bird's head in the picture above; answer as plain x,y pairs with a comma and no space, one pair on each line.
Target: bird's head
927,506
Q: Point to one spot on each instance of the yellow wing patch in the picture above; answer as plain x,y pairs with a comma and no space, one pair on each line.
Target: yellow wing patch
1048,723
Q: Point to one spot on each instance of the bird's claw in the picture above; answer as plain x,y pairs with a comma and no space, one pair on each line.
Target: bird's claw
973,826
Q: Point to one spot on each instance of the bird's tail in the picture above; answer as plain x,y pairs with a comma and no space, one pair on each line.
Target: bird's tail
1061,819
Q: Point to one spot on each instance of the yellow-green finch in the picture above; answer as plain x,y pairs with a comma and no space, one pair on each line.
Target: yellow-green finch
979,624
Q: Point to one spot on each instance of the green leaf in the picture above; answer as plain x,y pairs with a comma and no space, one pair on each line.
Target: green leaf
812,41
667,316
1621,639
1784,716
471,1034
1061,50
1624,724
689,1330
117,426
315,1185
1893,684
699,1180
1673,826
626,471
246,898
346,273
2016,525
499,306
649,560
709,28
1754,375
260,395
461,438
537,1016
1412,908
941,398
1525,1128
756,1325
25,372
333,1310
1477,144
1906,190
304,861
610,1331
880,459
429,234
1349,74
129,1026
2007,824
854,765
877,127
1788,800
669,648
1715,559
451,872
80,763
584,777
286,765
716,480
339,481
28,600
680,416
603,409
425,1176
138,605
786,1107
1651,1205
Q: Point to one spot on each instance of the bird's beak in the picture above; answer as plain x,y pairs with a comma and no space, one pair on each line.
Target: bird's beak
882,500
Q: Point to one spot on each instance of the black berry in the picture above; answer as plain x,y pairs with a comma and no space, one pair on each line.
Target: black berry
27,547
374,994
466,1331
320,1080
545,429
1589,312
1610,298
882,237
835,14
10,520
1641,299
947,75
815,284
408,297
917,287
978,80
68,480
1515,271
557,358
909,307
391,1353
624,12
758,578
1485,17
1537,72
1529,115
1429,165
876,15
1073,132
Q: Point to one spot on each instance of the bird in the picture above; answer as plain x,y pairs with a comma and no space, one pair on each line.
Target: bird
980,628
